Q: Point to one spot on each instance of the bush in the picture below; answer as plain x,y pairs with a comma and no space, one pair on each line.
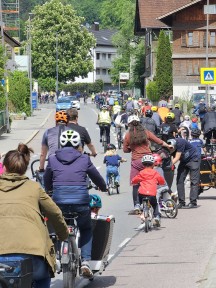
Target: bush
152,91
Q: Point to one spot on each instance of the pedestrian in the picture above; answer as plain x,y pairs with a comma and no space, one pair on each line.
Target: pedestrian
136,142
189,162
178,114
156,117
168,128
200,110
24,232
197,142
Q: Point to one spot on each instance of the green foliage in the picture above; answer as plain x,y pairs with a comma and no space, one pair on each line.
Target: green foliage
152,91
47,84
120,64
2,93
56,27
97,86
164,66
19,92
138,67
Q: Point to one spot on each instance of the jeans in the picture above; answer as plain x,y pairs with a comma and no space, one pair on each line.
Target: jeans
153,202
85,226
40,275
112,170
192,167
107,129
135,195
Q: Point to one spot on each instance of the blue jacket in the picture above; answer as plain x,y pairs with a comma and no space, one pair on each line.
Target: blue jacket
66,174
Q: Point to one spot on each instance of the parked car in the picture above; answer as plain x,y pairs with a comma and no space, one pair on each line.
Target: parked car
75,102
63,103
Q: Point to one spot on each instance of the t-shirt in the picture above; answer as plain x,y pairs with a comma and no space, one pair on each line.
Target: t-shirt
189,152
112,160
167,130
84,135
198,144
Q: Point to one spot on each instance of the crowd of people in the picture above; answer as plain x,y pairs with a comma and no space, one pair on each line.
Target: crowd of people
159,139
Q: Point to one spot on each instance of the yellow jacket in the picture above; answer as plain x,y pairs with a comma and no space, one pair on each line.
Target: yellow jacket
104,117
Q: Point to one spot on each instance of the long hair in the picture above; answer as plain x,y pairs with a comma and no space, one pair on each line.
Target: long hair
16,161
137,133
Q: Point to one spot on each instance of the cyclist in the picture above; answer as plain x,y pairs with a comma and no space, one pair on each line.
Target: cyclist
148,122
162,102
208,125
73,125
146,106
168,129
23,230
194,124
185,127
136,141
178,114
95,205
111,159
200,110
148,179
50,141
129,104
66,174
197,142
189,162
156,117
104,121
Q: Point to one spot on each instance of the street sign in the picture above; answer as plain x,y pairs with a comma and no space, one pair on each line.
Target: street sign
208,75
34,100
210,9
124,76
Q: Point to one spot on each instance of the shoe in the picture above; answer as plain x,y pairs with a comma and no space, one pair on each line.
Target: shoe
117,184
85,270
100,140
157,221
192,205
181,205
137,209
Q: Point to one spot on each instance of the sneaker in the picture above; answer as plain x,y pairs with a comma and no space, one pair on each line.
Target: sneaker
117,183
192,205
100,140
181,205
137,209
157,221
85,270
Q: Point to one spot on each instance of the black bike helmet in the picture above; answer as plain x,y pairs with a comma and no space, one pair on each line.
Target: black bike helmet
195,132
148,113
111,147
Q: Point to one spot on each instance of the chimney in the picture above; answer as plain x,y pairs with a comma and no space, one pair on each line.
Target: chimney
96,26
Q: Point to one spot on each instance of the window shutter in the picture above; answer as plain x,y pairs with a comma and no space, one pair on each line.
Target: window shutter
183,39
204,39
196,39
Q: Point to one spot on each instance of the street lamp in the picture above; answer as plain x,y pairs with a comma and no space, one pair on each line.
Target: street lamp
57,65
30,59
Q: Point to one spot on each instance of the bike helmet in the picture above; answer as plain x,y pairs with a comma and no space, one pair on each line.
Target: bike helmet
111,147
148,113
169,105
154,108
157,159
95,201
116,103
195,132
104,107
61,116
187,117
172,142
133,118
148,159
194,120
70,138
177,105
129,98
170,116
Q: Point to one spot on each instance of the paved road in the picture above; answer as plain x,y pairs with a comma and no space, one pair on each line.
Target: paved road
179,254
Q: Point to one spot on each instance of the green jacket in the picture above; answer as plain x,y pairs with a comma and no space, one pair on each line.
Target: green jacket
22,226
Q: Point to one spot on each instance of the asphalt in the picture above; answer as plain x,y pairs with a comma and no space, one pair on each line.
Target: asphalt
132,252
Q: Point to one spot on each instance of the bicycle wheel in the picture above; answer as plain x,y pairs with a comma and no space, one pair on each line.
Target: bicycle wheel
146,215
110,186
119,140
117,189
171,209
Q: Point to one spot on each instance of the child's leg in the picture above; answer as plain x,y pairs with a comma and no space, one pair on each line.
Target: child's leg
154,204
116,173
166,196
108,172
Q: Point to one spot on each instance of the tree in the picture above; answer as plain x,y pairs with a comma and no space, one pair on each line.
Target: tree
56,29
152,91
2,65
47,84
164,66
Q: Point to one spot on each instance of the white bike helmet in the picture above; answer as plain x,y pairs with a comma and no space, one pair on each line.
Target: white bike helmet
172,142
187,117
133,118
70,136
148,159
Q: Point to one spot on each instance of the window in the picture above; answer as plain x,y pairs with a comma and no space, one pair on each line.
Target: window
97,71
98,56
193,68
212,38
103,71
103,56
109,56
190,38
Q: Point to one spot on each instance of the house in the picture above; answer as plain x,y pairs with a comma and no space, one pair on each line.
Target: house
102,55
185,21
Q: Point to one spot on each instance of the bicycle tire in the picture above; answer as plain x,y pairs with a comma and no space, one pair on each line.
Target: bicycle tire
171,213
110,190
119,141
117,189
146,225
146,215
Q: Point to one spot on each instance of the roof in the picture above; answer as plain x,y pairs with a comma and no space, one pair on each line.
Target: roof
10,40
148,11
103,37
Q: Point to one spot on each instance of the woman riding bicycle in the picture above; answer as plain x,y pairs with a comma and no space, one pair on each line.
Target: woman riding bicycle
136,141
66,174
23,229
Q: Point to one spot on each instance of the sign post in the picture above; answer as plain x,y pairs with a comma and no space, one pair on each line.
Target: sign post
123,76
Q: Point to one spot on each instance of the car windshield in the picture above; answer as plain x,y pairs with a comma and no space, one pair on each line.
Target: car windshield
198,96
64,100
73,98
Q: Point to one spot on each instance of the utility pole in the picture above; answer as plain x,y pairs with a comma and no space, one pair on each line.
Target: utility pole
57,65
30,60
207,48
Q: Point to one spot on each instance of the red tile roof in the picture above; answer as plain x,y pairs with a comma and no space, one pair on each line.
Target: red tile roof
150,10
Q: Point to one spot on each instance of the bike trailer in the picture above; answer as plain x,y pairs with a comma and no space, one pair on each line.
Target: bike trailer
16,272
205,171
102,237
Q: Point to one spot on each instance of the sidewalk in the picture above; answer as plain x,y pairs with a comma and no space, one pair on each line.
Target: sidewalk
23,130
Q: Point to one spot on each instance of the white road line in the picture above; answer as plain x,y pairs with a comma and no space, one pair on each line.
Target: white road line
124,242
94,111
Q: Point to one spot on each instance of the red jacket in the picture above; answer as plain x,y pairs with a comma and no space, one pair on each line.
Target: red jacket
148,179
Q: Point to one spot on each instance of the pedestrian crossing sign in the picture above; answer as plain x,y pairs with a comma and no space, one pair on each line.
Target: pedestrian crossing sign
208,75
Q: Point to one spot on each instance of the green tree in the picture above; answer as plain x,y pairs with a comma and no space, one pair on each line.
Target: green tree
164,66
19,92
2,92
152,91
47,84
57,28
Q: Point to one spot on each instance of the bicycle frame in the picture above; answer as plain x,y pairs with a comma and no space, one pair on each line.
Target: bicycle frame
211,161
147,213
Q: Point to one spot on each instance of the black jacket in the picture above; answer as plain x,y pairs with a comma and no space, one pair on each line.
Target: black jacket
209,122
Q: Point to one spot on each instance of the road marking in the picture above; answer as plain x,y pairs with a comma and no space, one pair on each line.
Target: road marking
124,242
94,111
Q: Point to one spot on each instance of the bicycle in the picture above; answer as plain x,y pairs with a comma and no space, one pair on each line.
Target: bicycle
168,207
119,136
112,185
147,214
104,136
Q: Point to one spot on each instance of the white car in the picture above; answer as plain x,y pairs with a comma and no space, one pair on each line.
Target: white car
74,102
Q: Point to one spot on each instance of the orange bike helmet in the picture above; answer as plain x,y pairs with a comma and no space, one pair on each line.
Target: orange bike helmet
61,116
194,120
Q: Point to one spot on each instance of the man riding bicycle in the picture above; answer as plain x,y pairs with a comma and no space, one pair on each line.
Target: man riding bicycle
66,174
104,121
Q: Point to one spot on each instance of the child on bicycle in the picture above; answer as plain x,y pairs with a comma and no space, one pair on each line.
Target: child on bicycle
149,178
112,160
95,205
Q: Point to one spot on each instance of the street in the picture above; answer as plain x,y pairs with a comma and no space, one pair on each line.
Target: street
175,255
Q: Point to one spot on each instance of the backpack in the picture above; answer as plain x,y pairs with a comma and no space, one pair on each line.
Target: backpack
149,124
118,120
202,108
129,106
